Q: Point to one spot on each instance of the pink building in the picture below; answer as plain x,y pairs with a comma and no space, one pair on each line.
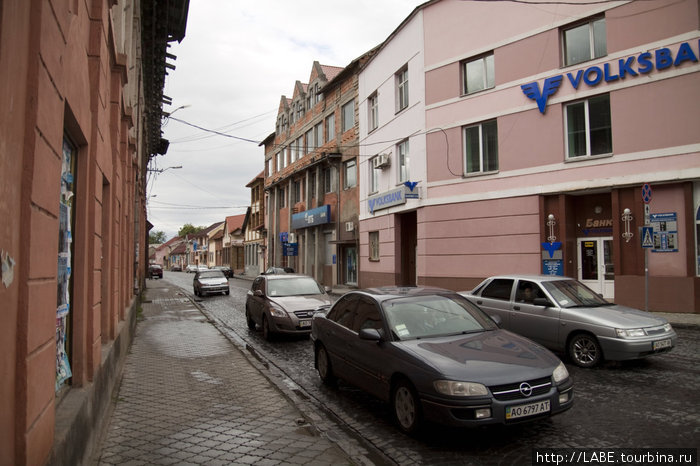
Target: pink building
538,135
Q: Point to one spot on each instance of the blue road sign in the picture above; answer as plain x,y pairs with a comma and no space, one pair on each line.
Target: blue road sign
647,237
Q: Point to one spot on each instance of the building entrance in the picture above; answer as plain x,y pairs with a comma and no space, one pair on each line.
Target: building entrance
595,265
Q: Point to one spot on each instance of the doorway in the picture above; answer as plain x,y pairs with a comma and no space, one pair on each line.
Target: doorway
595,265
409,241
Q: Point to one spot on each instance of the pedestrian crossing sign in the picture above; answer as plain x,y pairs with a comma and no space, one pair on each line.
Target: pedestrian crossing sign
647,237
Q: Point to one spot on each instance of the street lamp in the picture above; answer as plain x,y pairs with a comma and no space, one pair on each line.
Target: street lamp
627,218
161,170
167,114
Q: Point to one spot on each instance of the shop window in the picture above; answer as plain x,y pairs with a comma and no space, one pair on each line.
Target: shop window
584,42
481,148
374,245
478,74
588,128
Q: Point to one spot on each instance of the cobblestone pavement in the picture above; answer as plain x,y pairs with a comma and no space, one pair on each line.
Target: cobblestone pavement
189,396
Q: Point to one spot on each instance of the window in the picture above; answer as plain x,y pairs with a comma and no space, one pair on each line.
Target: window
330,127
528,291
499,288
318,134
327,180
402,156
481,148
588,129
350,174
374,245
318,93
310,144
478,74
280,160
348,112
312,185
373,117
373,177
367,316
343,311
296,186
585,42
697,239
402,89
299,143
282,198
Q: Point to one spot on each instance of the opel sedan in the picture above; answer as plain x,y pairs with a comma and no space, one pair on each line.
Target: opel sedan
437,357
566,316
284,304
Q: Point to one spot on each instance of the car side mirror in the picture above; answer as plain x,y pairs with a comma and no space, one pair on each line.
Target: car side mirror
328,289
544,302
496,319
258,293
370,334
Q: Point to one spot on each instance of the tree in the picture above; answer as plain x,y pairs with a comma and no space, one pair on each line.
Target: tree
156,237
189,229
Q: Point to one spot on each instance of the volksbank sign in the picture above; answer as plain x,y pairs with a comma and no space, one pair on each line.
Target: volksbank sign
387,199
631,67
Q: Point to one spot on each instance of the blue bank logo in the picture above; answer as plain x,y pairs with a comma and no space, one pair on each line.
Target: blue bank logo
632,67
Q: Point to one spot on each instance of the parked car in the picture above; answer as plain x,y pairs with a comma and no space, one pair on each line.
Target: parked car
225,269
564,315
155,271
176,268
284,303
437,357
276,270
191,268
210,281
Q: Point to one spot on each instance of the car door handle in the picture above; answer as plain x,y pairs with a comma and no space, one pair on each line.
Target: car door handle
516,308
479,302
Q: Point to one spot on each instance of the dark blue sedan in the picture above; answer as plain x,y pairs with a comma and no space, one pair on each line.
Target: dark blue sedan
435,356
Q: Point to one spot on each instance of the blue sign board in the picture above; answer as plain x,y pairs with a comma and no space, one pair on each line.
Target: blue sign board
312,217
647,237
290,249
628,67
553,267
387,199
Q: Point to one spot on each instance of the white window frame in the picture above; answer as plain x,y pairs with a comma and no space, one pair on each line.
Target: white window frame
586,104
330,127
590,25
373,112
373,177
465,155
347,122
403,161
487,73
402,89
350,174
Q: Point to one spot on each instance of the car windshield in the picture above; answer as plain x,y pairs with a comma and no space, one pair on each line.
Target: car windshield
435,315
295,286
211,274
571,293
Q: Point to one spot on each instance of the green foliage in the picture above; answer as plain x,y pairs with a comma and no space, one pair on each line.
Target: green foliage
189,229
156,237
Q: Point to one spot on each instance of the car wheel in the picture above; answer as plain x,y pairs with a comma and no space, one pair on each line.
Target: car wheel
249,319
407,412
585,351
228,292
267,333
323,366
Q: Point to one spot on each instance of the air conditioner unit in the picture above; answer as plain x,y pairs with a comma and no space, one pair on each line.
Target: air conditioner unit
349,226
380,161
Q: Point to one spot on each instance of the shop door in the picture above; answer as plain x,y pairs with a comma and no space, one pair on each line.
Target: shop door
596,269
351,266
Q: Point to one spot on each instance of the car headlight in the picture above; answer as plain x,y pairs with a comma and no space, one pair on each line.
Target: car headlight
277,311
667,327
560,373
454,388
630,332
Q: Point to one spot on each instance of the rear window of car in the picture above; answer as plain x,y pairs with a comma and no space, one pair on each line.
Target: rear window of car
211,274
499,288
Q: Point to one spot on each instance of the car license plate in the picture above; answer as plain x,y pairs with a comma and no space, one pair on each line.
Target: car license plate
530,409
304,323
661,344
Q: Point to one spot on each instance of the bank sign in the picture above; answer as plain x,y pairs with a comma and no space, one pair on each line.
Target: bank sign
312,217
629,67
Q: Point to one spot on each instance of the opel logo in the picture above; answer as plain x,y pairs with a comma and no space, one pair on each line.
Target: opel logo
525,389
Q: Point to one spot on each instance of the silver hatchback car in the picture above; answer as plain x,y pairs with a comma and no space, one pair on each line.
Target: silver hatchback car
564,315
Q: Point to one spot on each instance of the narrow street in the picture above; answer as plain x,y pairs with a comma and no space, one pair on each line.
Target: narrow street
638,404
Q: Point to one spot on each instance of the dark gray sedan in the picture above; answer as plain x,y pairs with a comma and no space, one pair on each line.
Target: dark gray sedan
437,357
564,315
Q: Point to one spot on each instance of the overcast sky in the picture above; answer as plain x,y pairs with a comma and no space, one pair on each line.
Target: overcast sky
237,59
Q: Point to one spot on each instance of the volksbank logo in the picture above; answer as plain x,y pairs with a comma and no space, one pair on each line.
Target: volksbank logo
643,63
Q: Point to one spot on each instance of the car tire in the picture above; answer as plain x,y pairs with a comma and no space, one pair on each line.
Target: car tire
267,333
585,351
249,319
406,407
228,292
323,366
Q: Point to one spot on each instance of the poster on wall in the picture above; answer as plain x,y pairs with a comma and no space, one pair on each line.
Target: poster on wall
65,247
665,228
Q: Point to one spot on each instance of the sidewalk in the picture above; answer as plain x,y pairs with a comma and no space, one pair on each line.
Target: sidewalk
190,396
